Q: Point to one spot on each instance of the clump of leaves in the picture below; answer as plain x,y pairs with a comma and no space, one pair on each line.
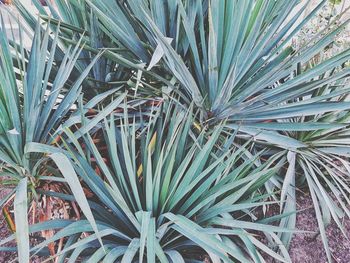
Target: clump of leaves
234,60
162,191
37,96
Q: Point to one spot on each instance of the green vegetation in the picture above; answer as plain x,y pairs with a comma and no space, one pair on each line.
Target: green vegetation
169,126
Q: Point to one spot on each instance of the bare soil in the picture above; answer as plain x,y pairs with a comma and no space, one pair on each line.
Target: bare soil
308,248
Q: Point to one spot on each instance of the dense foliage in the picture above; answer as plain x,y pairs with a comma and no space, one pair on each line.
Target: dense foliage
168,127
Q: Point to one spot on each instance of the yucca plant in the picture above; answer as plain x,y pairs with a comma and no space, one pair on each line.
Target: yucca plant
85,27
117,65
37,96
162,191
246,72
234,60
322,166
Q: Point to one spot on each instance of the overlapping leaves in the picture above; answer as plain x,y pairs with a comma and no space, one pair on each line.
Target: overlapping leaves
167,193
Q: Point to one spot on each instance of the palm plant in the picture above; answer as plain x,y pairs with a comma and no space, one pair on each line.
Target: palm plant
37,95
241,71
322,166
229,61
82,22
193,194
248,73
116,66
245,72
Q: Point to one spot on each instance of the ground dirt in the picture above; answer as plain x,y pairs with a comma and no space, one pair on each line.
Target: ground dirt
308,248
